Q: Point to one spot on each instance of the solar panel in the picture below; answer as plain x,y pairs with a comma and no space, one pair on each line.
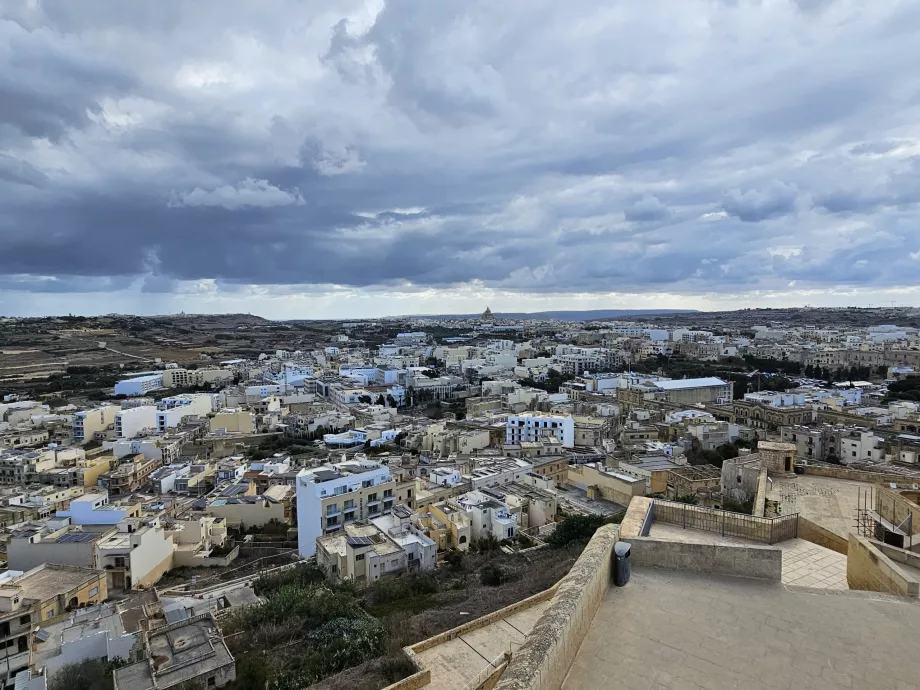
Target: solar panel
76,538
42,635
359,541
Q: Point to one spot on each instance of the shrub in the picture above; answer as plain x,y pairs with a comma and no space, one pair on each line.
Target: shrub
455,560
494,575
578,528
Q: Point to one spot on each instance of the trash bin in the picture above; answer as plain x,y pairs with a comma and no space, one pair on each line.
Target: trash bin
621,563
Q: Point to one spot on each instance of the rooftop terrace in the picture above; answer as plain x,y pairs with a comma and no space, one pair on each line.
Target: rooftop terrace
669,629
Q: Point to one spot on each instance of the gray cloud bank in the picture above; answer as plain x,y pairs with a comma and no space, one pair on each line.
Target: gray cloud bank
528,145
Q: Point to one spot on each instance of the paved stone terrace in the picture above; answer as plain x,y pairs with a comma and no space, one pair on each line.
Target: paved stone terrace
456,662
826,501
668,630
804,564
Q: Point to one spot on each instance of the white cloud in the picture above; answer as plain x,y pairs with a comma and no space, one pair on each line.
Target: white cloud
248,193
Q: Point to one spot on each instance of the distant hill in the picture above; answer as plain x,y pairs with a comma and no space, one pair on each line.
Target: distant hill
586,315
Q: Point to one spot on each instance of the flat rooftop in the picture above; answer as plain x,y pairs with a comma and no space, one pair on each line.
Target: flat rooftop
51,580
671,629
829,502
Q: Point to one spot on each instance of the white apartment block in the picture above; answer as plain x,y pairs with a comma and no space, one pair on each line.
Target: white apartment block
129,423
139,385
331,496
172,410
528,427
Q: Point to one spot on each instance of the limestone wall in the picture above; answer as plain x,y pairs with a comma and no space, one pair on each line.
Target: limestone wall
816,534
760,499
766,530
544,659
871,570
853,475
760,562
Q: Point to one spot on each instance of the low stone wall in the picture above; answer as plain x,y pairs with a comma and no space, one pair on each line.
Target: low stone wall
871,570
816,534
759,562
482,622
634,522
900,555
417,680
544,659
854,475
766,530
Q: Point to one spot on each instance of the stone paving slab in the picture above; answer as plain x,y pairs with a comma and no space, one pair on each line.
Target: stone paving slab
456,662
804,564
668,630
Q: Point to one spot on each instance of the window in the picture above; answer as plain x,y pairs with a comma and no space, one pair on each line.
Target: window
49,614
359,557
25,620
94,591
463,539
371,498
388,493
212,682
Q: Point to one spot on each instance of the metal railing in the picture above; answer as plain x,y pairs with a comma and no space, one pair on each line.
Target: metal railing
724,522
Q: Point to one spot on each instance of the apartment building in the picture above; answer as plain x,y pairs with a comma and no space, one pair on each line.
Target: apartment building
129,476
365,553
331,496
600,482
533,426
23,438
139,385
135,554
87,423
446,524
187,653
489,515
242,507
497,472
592,431
29,599
189,378
233,421
171,411
131,422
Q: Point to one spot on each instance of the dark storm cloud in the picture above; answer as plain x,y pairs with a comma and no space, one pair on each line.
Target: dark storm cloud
711,147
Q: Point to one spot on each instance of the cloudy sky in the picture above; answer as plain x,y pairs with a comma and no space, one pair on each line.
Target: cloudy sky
351,158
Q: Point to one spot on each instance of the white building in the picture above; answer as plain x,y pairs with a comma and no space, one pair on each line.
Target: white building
488,515
93,509
172,410
497,473
327,495
421,551
776,399
139,385
529,427
129,423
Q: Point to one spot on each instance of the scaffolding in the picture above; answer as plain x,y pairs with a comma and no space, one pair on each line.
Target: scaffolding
870,522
